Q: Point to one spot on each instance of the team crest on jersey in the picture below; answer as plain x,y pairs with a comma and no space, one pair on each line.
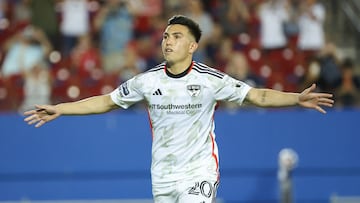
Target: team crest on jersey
194,90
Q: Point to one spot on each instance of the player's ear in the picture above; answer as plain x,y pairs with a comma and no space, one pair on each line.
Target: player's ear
193,47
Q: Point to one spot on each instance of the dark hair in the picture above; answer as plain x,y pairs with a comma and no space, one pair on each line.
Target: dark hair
189,23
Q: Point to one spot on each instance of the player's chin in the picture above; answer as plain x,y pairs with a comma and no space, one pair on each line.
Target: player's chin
168,60
167,56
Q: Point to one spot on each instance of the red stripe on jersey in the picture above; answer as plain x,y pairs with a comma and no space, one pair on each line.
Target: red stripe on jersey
191,67
213,152
151,126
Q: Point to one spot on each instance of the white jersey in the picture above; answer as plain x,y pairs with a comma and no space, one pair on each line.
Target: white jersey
181,109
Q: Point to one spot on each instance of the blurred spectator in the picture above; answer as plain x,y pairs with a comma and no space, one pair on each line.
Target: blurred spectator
146,49
85,57
43,16
311,31
273,14
4,10
214,45
311,75
291,27
37,86
323,69
75,23
195,10
224,52
146,11
330,73
22,12
238,68
133,63
86,66
114,22
148,7
26,52
4,24
147,45
347,94
173,7
233,16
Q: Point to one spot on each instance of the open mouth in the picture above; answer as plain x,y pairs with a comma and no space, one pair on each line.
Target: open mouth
168,50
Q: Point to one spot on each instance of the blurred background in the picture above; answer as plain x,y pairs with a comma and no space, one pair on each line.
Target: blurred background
55,51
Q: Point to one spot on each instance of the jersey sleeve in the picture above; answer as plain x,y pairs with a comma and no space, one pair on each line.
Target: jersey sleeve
232,90
128,93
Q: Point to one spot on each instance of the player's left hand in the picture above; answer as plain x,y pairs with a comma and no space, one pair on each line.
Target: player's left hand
310,99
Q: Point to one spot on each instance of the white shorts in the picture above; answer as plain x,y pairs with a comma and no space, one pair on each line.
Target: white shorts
193,191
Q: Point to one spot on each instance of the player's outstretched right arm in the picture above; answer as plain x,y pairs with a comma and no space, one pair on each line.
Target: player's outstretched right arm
93,105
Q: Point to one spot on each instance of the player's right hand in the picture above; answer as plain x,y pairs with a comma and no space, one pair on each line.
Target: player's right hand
41,115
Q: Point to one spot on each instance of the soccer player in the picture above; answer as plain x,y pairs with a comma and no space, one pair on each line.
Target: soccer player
181,95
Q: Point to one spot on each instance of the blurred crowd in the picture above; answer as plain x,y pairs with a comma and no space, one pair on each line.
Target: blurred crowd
63,50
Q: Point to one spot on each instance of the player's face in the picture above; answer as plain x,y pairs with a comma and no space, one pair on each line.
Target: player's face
178,44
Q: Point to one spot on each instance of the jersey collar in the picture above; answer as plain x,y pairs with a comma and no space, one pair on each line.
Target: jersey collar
180,74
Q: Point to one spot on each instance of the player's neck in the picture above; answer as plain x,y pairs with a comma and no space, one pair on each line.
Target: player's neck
179,67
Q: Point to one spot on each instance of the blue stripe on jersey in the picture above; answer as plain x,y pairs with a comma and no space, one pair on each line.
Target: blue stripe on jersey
207,70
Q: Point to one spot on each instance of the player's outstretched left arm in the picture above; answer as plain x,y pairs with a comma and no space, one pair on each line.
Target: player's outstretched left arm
307,98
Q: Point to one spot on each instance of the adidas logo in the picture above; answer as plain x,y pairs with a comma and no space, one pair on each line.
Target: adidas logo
157,92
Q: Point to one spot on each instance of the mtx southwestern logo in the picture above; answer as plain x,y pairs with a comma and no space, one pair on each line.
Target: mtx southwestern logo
176,108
